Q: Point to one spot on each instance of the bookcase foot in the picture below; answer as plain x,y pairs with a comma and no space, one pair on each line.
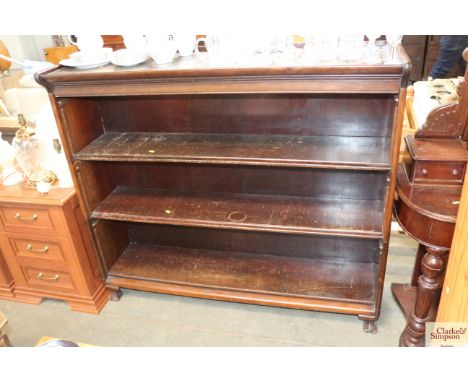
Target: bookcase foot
115,292
370,326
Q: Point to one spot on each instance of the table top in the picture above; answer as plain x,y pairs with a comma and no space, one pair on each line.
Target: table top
437,202
20,194
432,149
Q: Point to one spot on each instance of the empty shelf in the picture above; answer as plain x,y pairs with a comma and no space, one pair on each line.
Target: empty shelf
370,153
301,215
205,273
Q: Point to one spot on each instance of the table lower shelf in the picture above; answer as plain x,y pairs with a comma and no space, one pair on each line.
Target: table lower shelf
291,282
405,296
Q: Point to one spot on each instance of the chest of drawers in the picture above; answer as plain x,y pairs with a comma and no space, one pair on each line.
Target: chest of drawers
46,250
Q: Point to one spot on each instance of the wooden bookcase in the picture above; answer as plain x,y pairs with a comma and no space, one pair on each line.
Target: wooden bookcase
269,185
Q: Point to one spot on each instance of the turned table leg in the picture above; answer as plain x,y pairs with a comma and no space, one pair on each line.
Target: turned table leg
417,265
432,265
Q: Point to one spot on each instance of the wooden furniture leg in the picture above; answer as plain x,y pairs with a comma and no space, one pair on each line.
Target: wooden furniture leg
417,265
370,326
4,341
432,265
115,292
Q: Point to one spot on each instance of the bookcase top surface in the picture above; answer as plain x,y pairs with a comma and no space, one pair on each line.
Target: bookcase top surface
195,75
194,66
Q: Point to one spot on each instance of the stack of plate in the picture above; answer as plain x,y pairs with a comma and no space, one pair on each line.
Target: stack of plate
89,59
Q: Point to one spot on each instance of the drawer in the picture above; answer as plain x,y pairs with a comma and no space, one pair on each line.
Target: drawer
436,172
35,220
48,280
46,249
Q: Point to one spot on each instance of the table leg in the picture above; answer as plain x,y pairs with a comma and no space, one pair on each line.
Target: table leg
417,265
432,265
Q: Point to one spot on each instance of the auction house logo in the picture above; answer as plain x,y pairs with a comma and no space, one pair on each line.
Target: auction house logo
447,334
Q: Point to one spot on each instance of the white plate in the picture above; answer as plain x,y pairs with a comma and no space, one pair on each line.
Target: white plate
125,57
70,62
94,55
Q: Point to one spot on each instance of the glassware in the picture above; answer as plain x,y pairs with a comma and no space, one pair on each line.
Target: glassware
326,47
224,50
351,47
310,48
30,154
373,52
7,156
393,40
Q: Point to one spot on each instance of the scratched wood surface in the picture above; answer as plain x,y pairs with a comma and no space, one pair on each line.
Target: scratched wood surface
244,271
278,150
341,217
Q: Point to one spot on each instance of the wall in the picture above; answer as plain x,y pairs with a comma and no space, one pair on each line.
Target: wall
26,47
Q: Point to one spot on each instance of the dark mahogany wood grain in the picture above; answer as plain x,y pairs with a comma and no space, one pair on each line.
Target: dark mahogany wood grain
298,277
102,177
279,150
81,120
358,115
449,150
346,249
405,296
429,190
268,185
340,217
433,265
436,202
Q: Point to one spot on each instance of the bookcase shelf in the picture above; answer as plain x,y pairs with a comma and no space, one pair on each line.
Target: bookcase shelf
310,216
370,153
212,274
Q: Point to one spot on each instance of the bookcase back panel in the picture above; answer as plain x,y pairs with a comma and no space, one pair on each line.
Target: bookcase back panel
314,247
330,183
284,114
319,247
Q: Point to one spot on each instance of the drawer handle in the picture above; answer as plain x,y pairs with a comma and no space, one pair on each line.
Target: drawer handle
41,276
18,217
454,172
424,171
29,247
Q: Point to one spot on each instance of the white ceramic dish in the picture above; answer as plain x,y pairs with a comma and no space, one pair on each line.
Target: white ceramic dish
92,55
162,53
72,63
163,59
129,57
